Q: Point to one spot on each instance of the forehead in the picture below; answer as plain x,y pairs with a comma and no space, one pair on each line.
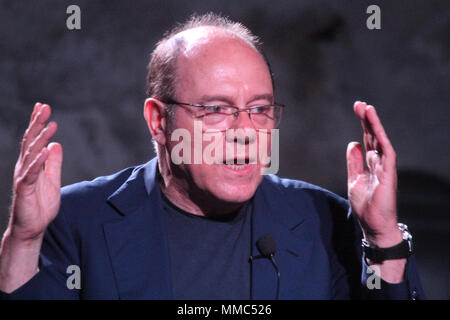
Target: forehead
215,59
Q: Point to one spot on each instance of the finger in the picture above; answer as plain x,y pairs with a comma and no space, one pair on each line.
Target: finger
378,130
383,144
53,164
355,161
43,113
370,140
360,109
36,109
39,143
35,169
371,144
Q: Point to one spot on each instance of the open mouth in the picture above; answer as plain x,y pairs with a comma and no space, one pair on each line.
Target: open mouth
238,161
238,164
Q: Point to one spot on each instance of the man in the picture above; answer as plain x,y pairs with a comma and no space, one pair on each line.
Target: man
186,230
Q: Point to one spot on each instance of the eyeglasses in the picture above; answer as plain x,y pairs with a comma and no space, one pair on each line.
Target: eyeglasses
222,116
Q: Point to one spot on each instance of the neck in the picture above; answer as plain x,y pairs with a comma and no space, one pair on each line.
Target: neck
181,190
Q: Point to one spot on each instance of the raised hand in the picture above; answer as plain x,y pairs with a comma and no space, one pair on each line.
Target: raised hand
37,178
36,200
372,188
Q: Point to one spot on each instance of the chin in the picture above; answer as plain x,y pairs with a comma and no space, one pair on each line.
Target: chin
235,193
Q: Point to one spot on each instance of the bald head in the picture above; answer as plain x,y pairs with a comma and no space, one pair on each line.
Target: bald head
162,69
216,65
188,40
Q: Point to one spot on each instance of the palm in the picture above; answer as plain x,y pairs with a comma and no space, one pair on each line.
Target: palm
37,178
37,205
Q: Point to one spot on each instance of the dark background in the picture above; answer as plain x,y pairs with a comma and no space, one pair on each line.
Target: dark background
323,56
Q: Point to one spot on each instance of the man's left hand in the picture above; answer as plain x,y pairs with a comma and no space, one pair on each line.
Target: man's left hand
372,189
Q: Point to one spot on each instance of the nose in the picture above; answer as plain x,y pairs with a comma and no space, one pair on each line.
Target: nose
242,120
244,131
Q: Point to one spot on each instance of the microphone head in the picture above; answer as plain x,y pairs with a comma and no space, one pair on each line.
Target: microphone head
266,245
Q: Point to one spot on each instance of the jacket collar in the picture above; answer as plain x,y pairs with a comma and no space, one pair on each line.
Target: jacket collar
141,184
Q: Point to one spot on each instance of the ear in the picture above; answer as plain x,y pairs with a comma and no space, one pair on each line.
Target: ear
155,116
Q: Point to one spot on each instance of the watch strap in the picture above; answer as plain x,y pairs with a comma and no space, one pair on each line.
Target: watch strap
376,254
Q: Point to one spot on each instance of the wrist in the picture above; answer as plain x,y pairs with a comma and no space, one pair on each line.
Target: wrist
22,237
388,248
12,243
18,261
386,239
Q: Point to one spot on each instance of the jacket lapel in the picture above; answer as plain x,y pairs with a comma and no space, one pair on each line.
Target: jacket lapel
137,241
294,246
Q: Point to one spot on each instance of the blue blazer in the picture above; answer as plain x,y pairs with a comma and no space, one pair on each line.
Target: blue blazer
113,228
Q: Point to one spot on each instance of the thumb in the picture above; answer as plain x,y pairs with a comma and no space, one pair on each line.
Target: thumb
53,164
355,160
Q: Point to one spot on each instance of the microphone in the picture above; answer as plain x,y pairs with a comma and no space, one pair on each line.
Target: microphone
267,247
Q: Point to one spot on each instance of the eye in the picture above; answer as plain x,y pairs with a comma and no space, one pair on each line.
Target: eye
263,109
216,109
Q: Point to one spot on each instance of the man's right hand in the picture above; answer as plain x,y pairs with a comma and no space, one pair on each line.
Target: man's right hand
35,202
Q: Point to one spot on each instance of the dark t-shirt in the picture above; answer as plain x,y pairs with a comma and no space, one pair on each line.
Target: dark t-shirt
209,257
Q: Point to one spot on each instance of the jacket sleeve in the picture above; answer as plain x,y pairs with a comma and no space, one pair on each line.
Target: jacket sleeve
58,252
376,288
351,276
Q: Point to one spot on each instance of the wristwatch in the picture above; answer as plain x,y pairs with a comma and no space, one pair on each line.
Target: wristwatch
399,251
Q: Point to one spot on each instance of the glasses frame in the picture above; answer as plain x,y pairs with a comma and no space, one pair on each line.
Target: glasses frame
235,114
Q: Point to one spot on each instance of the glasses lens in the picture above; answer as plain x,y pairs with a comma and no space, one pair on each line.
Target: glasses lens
263,117
278,110
266,117
214,115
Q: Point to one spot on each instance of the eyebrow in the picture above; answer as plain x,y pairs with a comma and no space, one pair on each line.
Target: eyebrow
208,98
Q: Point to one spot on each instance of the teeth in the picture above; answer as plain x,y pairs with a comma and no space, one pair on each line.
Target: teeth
237,167
240,161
